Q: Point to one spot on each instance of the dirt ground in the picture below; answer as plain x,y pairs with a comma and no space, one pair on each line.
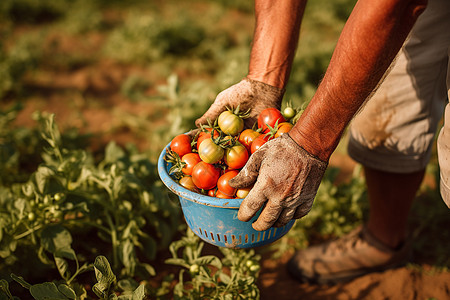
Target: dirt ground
401,283
420,281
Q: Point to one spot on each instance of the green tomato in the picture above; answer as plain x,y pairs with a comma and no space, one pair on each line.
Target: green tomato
254,268
288,113
31,216
58,196
230,123
210,152
194,269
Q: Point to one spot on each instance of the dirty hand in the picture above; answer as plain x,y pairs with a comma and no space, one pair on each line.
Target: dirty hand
248,94
285,178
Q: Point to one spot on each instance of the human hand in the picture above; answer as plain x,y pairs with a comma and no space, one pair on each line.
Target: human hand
248,94
285,178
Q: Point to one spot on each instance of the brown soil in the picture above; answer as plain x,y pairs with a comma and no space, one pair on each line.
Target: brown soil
406,283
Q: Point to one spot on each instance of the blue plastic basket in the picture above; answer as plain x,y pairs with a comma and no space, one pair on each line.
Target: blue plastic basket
215,220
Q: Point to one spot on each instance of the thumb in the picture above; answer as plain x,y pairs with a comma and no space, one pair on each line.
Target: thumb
249,173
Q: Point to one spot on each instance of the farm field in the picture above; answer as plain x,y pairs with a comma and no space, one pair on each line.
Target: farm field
90,94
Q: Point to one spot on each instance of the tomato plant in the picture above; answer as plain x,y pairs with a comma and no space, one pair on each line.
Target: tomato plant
269,117
181,144
205,175
236,157
223,183
210,152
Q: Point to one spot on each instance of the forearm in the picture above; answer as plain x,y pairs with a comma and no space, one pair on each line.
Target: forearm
275,40
369,42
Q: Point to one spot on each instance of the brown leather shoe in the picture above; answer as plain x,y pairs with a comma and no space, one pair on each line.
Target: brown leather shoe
346,258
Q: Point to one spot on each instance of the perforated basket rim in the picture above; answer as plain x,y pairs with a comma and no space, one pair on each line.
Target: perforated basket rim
187,194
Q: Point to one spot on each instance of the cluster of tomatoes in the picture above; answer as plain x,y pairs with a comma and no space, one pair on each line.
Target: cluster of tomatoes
207,162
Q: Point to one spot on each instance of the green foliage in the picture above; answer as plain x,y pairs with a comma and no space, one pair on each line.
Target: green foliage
120,198
428,218
106,287
145,38
16,61
210,277
32,11
320,30
85,16
245,6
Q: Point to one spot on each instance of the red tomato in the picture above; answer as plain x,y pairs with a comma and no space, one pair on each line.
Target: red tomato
283,128
247,137
205,175
210,152
236,157
181,144
186,182
190,160
269,116
212,192
258,142
222,183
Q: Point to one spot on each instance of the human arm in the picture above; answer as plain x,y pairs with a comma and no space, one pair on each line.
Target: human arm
275,38
369,42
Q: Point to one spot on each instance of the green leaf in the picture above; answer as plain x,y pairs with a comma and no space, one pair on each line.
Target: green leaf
55,237
128,284
46,291
177,262
128,256
150,270
224,278
104,275
113,152
208,260
67,291
41,177
4,286
79,290
20,280
68,253
139,293
63,267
